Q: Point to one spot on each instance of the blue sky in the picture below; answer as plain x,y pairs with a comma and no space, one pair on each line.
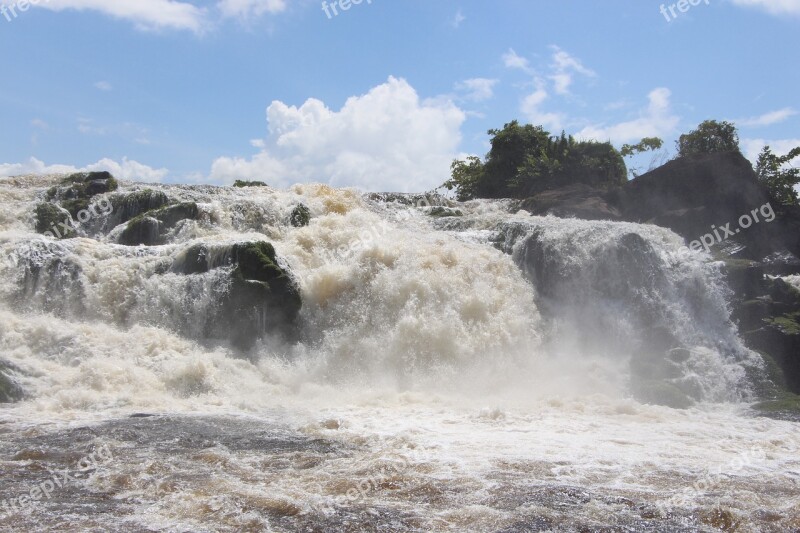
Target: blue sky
382,96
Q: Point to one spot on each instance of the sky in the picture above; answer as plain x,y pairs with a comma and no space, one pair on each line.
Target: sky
382,95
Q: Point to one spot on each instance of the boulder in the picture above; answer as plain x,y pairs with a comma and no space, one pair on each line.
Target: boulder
300,216
49,218
262,298
575,201
131,205
151,227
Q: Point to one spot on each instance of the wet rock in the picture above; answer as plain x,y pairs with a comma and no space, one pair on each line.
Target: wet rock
10,391
656,392
444,212
242,184
262,297
49,218
131,205
300,216
151,228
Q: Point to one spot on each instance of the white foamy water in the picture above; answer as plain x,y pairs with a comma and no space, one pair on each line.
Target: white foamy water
481,373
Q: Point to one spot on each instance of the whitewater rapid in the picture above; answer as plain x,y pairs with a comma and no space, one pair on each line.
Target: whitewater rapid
505,362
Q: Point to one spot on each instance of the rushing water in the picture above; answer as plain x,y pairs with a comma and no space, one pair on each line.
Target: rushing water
490,372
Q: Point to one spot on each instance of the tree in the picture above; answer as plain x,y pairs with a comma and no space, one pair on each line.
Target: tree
465,177
778,175
526,160
709,137
645,145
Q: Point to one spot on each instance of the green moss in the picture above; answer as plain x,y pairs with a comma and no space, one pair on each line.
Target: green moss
788,324
171,215
242,184
76,205
301,216
784,403
48,218
131,205
141,230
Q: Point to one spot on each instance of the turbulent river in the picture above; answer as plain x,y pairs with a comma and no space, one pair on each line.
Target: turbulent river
491,371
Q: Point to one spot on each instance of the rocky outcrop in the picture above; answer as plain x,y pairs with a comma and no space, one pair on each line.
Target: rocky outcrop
576,201
263,298
151,228
300,216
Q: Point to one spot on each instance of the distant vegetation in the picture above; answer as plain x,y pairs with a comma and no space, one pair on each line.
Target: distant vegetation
526,160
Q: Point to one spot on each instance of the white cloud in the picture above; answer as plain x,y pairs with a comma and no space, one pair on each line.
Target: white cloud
103,86
514,61
385,140
767,119
145,14
477,89
752,147
531,110
250,8
126,170
657,120
457,19
564,66
773,7
40,124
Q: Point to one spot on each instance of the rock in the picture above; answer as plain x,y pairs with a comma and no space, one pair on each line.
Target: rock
262,298
300,216
150,228
10,391
242,184
656,392
49,218
444,212
131,205
575,201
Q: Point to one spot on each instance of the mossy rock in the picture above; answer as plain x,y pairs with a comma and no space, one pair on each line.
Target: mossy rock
76,205
49,218
128,206
300,216
787,324
262,297
784,405
656,392
445,212
10,391
149,229
243,183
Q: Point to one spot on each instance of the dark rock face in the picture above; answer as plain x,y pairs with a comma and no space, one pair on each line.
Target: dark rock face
300,216
10,391
74,194
262,298
128,206
576,201
49,218
151,227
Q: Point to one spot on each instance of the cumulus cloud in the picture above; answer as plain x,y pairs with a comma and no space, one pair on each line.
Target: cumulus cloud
773,7
657,120
530,108
477,89
385,140
126,170
250,8
145,14
768,119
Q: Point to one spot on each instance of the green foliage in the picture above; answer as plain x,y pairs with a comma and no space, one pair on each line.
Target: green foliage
781,179
710,137
242,184
526,160
465,177
648,143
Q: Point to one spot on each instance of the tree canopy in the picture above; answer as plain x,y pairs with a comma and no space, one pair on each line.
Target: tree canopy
525,160
710,137
776,173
